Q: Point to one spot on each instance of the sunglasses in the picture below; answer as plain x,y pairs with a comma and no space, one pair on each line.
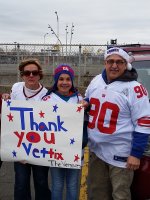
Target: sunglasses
118,62
28,73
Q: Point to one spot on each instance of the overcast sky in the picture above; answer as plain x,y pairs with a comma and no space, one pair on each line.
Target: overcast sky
95,21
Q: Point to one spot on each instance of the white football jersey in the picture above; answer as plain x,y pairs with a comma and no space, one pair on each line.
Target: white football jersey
18,94
117,109
55,98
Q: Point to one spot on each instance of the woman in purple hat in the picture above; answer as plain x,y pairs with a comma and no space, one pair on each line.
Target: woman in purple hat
63,90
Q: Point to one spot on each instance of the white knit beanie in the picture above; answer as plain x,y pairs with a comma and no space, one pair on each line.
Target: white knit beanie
120,52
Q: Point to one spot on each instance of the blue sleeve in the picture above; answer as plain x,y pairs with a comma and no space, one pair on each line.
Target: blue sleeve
86,99
139,143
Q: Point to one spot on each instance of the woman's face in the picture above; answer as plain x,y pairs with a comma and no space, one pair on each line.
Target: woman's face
31,76
64,84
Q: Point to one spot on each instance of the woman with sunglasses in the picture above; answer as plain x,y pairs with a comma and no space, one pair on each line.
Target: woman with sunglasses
30,89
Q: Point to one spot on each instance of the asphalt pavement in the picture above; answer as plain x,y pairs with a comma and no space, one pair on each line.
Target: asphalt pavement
7,181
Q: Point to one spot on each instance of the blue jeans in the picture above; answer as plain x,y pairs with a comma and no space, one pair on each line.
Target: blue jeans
0,163
22,189
59,176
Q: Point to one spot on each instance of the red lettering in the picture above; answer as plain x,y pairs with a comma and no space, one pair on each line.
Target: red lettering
51,140
20,136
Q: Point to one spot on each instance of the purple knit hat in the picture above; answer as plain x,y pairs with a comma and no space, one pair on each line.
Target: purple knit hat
63,69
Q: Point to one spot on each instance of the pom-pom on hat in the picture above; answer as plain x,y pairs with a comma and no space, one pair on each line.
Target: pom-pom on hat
63,69
120,52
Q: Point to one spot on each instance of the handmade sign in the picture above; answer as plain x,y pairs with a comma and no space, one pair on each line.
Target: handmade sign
42,133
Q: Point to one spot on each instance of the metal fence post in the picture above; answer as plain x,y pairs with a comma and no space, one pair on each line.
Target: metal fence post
85,58
18,61
79,66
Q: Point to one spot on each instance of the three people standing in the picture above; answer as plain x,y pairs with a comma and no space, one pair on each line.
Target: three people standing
118,127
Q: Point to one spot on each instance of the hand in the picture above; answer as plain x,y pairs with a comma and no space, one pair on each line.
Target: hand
5,96
84,103
23,162
133,163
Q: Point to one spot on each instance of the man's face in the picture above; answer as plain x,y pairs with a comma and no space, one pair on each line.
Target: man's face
31,76
115,66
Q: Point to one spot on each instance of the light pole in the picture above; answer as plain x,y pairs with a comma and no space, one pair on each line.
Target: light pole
71,33
44,38
15,45
66,29
57,25
44,47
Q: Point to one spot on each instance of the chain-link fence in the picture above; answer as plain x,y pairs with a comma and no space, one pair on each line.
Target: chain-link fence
86,60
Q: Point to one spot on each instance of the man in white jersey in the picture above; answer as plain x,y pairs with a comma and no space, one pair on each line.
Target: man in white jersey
119,121
31,90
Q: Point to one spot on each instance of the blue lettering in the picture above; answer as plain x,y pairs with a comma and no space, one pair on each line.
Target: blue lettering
32,123
112,50
60,124
34,153
50,124
44,152
42,126
27,149
22,110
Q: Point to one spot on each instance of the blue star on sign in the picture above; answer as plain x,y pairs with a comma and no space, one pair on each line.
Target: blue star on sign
14,154
55,108
8,103
72,141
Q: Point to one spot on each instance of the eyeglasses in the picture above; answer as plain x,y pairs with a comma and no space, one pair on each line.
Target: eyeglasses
118,62
28,73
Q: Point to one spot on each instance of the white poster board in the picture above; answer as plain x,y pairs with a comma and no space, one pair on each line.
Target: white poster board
42,133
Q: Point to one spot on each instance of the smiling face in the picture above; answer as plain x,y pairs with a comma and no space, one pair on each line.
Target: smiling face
31,79
115,66
64,84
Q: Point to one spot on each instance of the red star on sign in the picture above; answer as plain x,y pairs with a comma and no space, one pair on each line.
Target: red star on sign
10,117
79,108
41,114
76,158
